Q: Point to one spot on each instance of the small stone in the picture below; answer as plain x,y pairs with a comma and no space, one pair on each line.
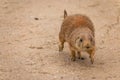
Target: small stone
9,43
36,18
39,47
61,77
32,47
102,41
102,63
93,77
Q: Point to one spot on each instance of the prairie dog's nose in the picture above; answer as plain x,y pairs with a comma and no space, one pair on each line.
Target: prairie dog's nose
87,47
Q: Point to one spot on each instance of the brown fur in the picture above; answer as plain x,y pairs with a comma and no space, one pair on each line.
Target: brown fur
73,29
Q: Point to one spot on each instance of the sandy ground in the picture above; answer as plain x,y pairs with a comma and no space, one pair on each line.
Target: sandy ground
29,40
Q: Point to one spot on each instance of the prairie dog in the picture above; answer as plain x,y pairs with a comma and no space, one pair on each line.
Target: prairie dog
78,31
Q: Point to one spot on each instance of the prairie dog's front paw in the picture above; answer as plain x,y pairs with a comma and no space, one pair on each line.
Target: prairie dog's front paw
73,59
60,48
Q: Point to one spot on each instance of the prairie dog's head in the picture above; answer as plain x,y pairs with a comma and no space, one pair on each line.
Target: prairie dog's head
84,41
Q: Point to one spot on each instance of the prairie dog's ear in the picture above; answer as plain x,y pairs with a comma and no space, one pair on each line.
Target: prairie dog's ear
65,14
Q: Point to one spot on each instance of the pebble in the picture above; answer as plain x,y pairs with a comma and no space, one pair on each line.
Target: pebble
36,18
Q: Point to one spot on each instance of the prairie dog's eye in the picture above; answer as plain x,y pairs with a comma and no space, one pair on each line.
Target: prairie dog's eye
81,40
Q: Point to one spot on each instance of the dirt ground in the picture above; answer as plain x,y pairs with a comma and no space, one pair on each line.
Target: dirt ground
29,40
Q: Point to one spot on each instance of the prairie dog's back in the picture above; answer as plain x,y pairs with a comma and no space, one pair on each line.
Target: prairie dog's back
72,22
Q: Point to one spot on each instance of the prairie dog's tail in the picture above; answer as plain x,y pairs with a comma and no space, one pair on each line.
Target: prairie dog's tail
65,14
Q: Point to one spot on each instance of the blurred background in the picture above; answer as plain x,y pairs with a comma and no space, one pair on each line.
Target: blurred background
29,40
